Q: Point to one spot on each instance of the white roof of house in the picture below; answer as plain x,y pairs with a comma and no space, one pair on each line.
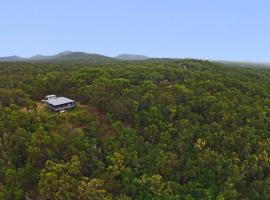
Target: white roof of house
51,96
59,101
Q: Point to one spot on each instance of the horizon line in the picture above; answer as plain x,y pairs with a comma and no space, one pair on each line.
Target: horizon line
135,54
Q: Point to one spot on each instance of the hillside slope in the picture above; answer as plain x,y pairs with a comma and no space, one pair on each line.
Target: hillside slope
64,56
154,129
131,57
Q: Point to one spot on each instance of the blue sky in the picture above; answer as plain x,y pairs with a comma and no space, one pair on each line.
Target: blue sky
208,29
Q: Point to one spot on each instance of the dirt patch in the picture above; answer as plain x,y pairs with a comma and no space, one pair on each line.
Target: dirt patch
40,106
105,128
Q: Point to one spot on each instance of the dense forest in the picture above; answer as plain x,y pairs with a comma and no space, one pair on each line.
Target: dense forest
155,129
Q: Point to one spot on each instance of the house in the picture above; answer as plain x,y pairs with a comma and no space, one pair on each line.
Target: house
59,104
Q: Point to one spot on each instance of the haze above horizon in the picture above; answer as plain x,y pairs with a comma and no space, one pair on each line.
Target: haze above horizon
216,30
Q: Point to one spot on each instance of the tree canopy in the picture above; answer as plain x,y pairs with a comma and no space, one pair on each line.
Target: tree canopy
155,129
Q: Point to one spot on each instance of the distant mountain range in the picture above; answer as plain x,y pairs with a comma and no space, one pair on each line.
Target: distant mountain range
131,57
11,58
70,56
74,56
244,63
